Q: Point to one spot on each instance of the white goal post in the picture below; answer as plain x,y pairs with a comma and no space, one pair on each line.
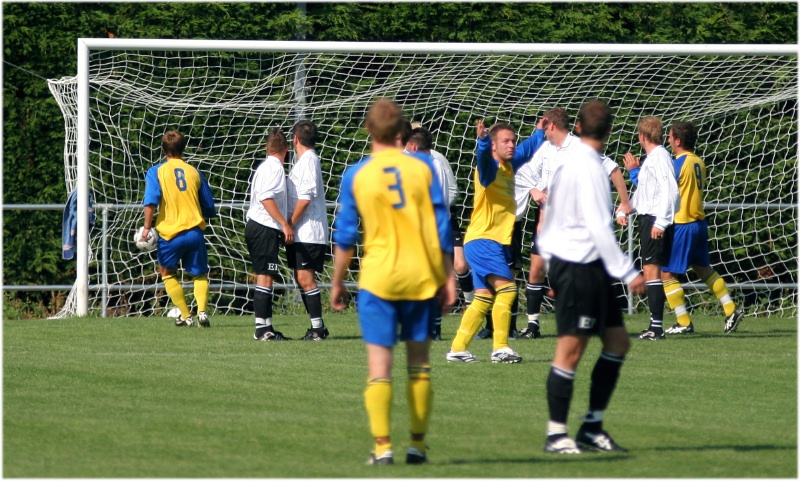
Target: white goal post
226,94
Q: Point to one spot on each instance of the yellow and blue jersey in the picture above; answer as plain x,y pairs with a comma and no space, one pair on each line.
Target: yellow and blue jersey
691,173
494,204
406,224
182,195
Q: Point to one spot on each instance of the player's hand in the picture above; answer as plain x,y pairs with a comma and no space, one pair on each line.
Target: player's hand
638,286
480,129
538,196
145,233
288,233
630,161
656,233
542,123
340,298
622,219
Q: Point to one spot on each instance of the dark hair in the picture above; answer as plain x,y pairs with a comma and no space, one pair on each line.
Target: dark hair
384,121
276,141
173,143
405,131
595,118
558,117
686,132
306,133
422,138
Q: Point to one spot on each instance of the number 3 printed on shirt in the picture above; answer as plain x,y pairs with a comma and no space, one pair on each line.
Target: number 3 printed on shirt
180,179
398,186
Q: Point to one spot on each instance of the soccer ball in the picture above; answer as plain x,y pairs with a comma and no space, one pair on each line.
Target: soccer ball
150,244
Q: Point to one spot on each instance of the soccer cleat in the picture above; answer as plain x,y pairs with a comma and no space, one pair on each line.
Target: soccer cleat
202,319
183,322
648,335
732,322
561,445
678,329
414,456
505,355
272,336
530,332
316,334
460,356
386,458
599,441
484,334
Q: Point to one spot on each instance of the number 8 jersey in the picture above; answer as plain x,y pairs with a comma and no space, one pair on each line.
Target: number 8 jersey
182,195
405,220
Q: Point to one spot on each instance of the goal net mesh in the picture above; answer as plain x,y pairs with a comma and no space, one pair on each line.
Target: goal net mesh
225,102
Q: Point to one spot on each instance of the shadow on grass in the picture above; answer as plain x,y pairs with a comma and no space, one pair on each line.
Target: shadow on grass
587,457
733,447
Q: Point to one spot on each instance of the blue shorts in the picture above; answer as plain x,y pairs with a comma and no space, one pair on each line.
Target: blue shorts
188,248
689,247
379,319
487,257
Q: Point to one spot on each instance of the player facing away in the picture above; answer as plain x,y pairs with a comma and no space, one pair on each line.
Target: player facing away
558,146
460,265
690,235
266,228
656,201
309,220
183,199
487,243
406,272
583,258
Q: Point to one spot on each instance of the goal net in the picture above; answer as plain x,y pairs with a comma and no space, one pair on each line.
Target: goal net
225,96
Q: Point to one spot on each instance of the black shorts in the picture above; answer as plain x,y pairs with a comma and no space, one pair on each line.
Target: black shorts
534,234
585,302
516,246
306,256
455,229
262,245
654,251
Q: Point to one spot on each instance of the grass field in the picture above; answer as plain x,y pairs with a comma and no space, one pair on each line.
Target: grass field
141,398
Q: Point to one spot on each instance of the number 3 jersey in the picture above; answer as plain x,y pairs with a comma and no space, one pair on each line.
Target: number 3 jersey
405,220
182,195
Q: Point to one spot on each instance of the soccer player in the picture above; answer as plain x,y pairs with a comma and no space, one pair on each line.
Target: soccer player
183,198
559,146
419,141
656,201
405,267
267,226
309,221
488,238
582,254
460,265
690,235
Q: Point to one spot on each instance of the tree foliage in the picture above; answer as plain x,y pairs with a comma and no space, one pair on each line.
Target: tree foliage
40,43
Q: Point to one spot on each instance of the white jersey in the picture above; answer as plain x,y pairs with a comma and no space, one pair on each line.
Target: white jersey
549,156
524,181
657,192
305,183
452,183
578,225
608,164
269,182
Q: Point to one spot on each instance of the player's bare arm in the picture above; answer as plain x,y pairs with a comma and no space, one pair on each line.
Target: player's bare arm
341,263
